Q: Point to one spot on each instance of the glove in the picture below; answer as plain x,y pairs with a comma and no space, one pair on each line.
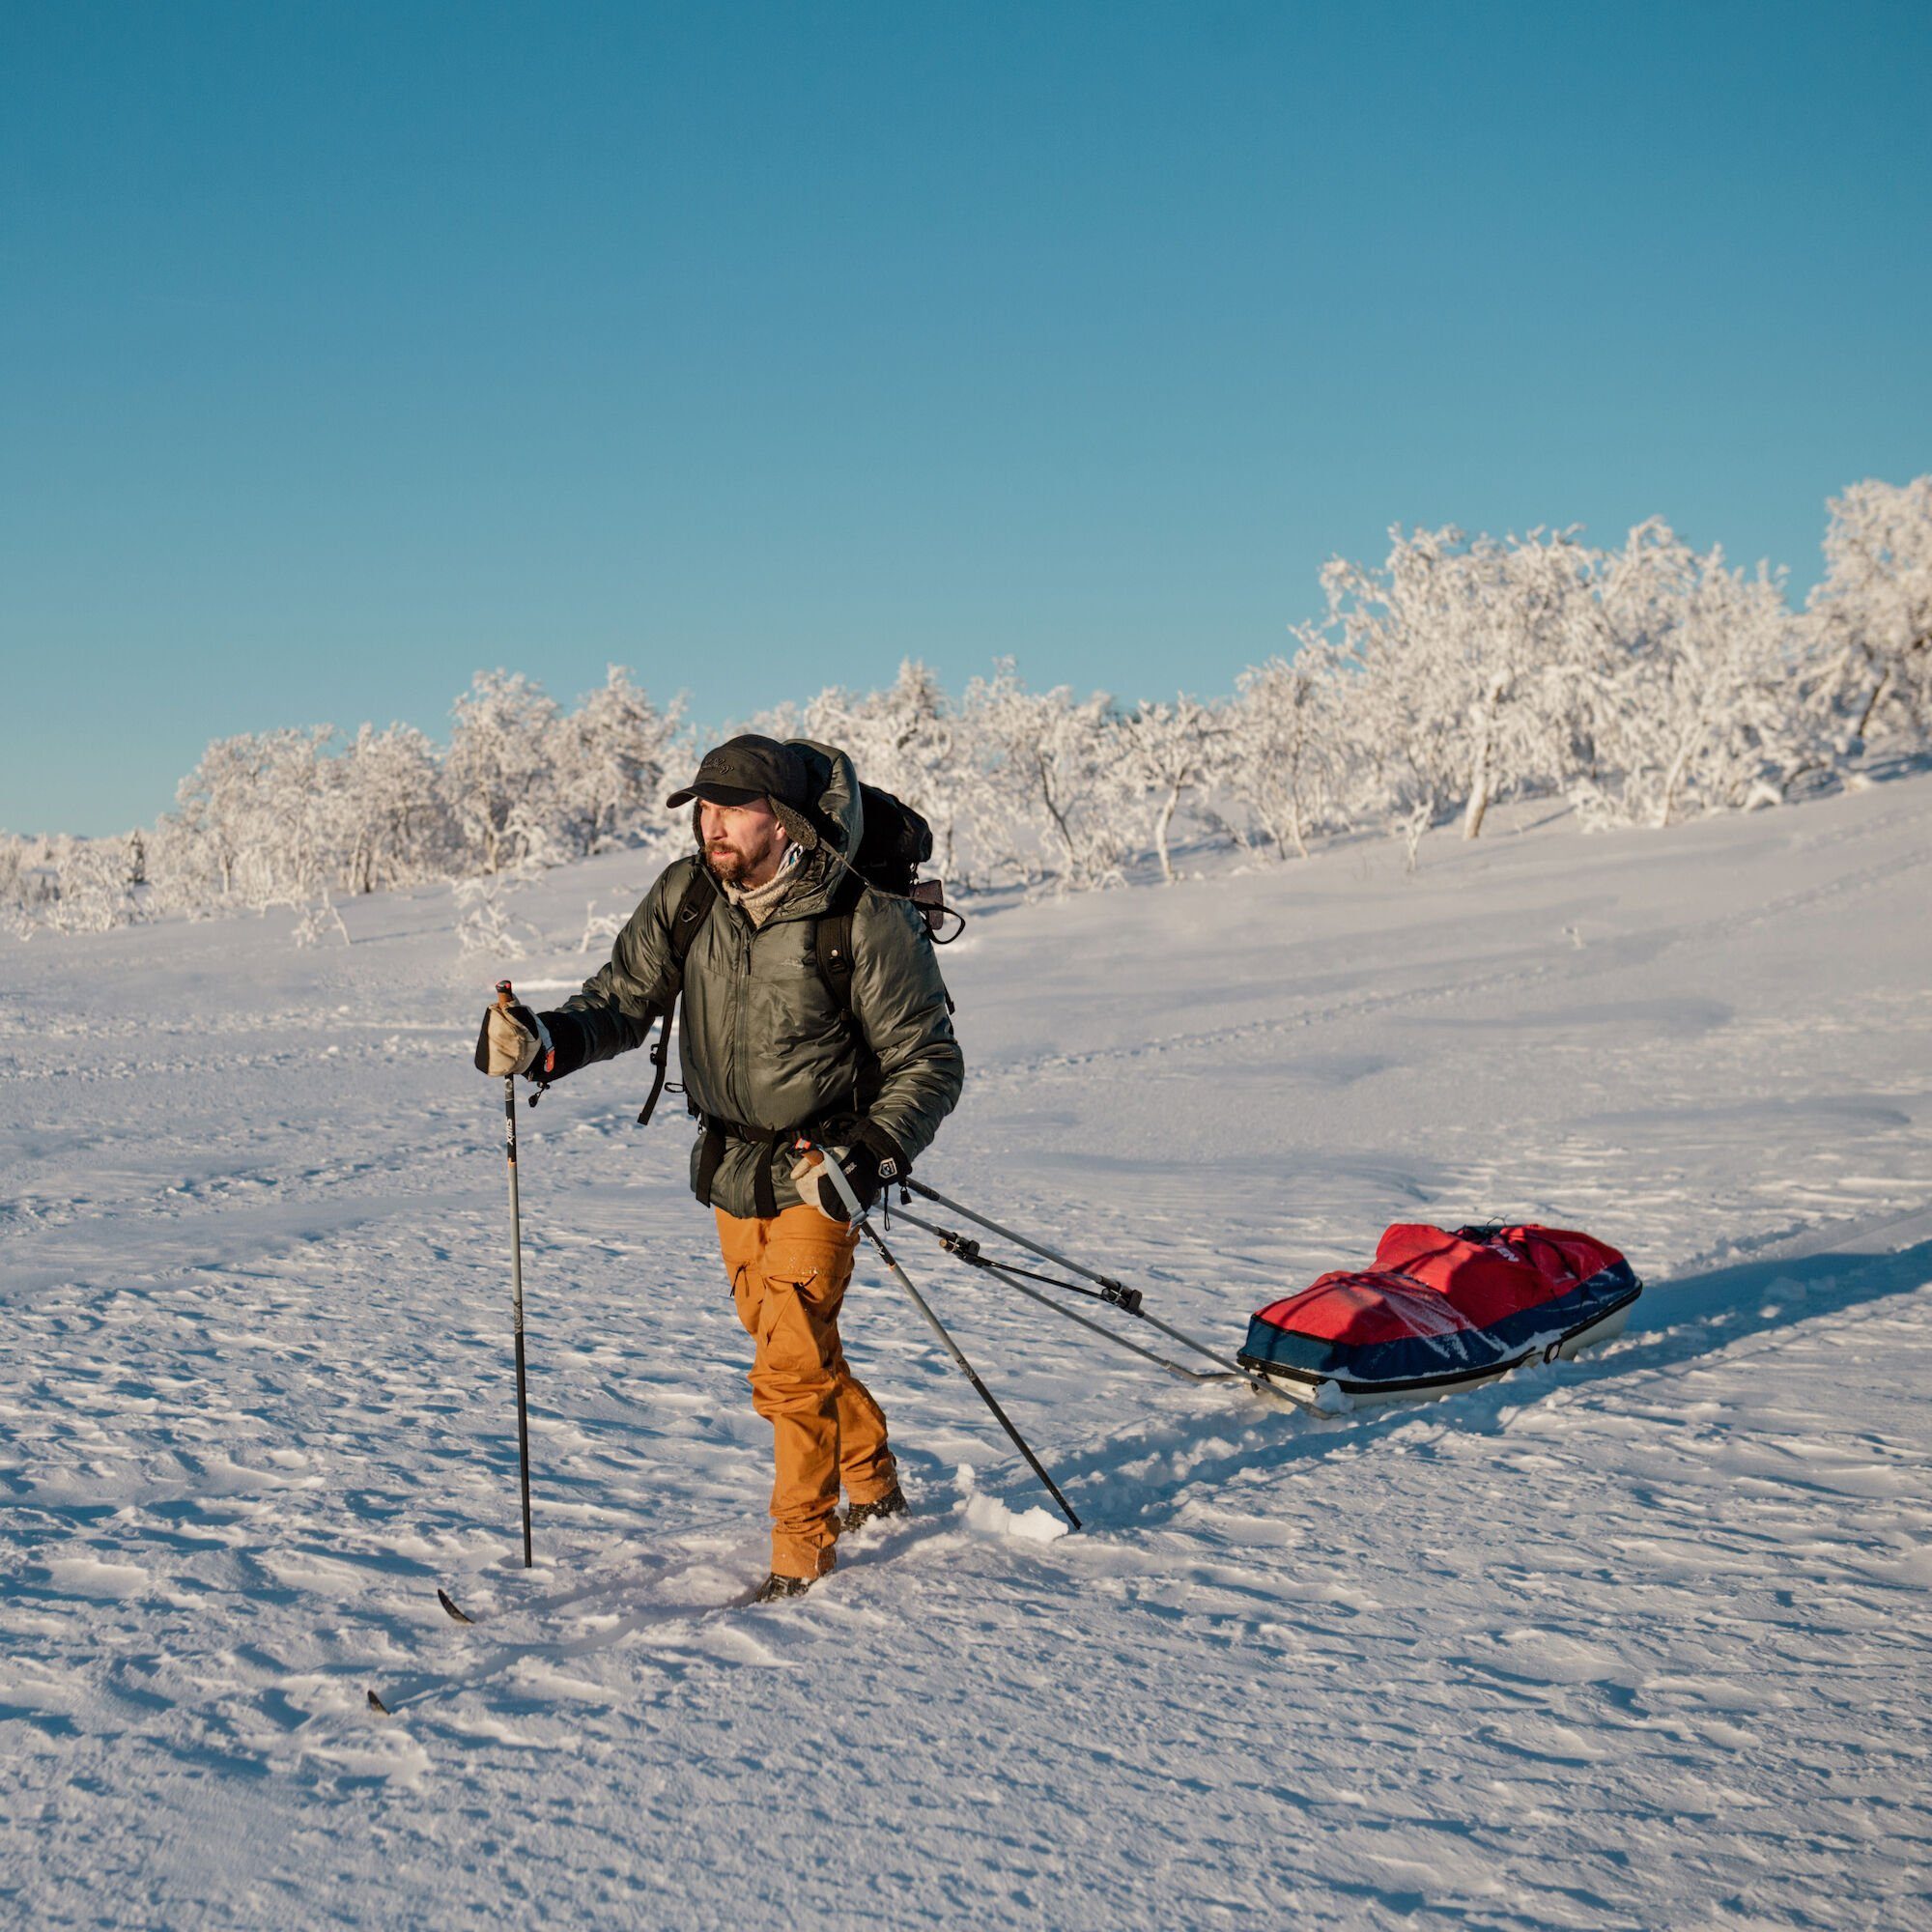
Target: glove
513,1040
817,1188
872,1159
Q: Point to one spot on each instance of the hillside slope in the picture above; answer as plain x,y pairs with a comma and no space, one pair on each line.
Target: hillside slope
1634,1641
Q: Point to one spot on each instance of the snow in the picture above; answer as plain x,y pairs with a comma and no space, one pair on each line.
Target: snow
1634,1641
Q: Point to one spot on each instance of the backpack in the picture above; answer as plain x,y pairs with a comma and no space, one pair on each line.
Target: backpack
894,844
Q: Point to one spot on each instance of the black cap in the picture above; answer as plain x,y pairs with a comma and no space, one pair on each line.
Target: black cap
741,771
744,770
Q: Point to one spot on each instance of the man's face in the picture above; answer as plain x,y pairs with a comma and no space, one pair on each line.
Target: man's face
743,843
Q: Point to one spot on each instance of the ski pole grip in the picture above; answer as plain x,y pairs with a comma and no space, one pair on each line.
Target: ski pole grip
504,993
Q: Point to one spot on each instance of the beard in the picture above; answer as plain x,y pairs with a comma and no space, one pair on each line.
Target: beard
730,864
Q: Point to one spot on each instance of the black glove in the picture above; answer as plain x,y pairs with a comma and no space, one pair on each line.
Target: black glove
877,1160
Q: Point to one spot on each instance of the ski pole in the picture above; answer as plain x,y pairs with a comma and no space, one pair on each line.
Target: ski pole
815,1156
1120,1295
503,998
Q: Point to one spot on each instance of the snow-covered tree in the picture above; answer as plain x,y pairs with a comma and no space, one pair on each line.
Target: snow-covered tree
1287,745
80,885
1054,789
392,822
1167,751
496,776
609,759
485,922
908,740
295,846
214,811
1467,647
1691,707
251,824
1874,606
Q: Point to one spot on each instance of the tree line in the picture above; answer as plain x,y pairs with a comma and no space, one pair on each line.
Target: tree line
1643,685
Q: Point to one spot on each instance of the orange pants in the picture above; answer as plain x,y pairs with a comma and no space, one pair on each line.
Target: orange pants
788,1276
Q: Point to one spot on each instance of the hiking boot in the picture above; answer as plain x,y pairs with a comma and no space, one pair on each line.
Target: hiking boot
775,1586
858,1515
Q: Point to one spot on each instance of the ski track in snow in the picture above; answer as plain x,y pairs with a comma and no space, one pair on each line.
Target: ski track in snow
1631,1641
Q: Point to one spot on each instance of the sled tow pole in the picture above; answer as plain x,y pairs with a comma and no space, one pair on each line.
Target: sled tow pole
503,1000
960,1248
815,1155
1116,1293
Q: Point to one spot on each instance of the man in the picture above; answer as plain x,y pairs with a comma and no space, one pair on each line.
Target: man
769,1051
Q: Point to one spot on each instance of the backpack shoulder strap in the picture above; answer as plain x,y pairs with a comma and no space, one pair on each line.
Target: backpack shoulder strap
699,898
693,906
832,940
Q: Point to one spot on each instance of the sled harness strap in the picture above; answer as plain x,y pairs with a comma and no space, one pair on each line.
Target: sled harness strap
966,1250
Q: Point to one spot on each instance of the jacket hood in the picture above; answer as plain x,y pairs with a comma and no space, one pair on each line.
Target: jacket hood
837,815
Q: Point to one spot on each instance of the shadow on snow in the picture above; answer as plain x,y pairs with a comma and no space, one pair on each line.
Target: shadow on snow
1145,1472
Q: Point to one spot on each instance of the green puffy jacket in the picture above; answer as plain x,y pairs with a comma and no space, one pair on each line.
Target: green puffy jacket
761,1040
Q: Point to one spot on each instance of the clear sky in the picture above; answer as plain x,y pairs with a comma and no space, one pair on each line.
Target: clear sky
346,350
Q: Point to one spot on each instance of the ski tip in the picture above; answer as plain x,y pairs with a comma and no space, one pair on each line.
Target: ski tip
448,1603
377,1705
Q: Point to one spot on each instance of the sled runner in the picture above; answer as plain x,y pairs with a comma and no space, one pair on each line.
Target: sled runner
1438,1312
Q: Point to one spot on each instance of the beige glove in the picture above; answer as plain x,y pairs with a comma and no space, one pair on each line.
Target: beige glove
814,1186
509,1047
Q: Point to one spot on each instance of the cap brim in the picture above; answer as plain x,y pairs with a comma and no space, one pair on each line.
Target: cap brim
717,794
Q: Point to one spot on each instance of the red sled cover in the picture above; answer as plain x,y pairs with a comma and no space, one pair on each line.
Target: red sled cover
1439,1306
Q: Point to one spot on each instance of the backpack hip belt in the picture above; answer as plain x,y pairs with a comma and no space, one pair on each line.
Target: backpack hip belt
771,1143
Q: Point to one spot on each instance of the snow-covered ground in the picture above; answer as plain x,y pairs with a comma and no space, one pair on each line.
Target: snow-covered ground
1640,1640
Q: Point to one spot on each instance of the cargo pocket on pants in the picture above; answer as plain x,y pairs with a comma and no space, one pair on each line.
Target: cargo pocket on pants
790,1325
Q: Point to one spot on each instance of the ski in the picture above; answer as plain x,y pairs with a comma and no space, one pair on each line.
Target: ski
456,1613
547,1628
509,1652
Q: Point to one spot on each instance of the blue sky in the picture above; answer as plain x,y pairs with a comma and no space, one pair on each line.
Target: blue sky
344,351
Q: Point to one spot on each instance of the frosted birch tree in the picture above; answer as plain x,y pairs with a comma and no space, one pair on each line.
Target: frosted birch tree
908,740
1466,647
1874,606
1287,747
393,823
1050,763
296,840
1693,708
214,809
496,776
1167,751
609,759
